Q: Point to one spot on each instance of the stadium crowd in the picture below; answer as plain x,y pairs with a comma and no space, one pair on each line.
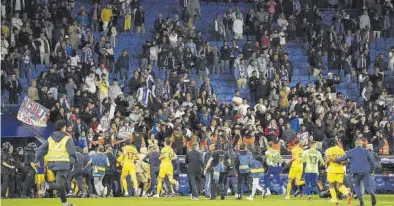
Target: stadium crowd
152,114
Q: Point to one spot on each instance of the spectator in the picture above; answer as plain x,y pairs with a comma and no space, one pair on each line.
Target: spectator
139,19
14,88
32,92
365,22
106,17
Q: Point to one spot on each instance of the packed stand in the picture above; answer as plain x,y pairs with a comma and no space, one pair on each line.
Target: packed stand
101,117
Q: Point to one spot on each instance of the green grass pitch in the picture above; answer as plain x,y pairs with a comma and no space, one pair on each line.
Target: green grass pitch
383,200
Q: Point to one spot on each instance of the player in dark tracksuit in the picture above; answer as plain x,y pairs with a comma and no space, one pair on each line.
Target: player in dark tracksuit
153,158
87,171
77,174
110,172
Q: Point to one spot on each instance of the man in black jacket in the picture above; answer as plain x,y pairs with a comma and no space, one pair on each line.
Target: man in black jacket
194,164
253,82
14,88
122,65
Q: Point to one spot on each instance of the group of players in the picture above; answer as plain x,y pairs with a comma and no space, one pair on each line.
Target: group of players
58,163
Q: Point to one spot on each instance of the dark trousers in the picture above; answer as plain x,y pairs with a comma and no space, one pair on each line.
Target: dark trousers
28,183
365,178
13,98
89,179
194,182
8,182
218,187
153,181
253,95
242,180
274,171
60,184
78,176
19,179
108,182
232,184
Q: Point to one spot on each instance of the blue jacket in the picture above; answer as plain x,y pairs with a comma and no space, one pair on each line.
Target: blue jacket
100,161
56,166
153,159
360,160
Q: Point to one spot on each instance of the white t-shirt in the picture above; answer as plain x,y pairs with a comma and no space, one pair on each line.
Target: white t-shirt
74,60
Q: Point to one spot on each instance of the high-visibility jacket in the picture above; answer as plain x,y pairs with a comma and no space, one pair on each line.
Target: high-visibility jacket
57,151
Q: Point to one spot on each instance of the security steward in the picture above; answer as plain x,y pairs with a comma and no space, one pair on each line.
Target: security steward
61,154
7,171
19,171
29,172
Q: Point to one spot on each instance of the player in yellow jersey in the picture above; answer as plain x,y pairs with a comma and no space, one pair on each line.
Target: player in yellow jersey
127,160
335,171
166,168
296,169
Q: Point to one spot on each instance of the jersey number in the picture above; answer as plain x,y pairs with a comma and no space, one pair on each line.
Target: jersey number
313,160
130,155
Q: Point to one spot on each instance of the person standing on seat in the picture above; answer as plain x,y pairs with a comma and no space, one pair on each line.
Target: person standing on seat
61,155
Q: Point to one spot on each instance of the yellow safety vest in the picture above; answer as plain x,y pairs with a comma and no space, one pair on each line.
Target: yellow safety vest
57,151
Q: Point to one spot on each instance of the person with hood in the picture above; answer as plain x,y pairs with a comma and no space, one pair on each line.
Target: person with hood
61,155
256,171
242,165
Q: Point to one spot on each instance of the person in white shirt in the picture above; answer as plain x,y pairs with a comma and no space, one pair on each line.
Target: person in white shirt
105,121
238,27
282,38
173,39
4,47
114,89
154,54
90,83
365,22
17,22
102,71
114,33
45,49
282,22
74,59
243,108
3,10
237,100
252,67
